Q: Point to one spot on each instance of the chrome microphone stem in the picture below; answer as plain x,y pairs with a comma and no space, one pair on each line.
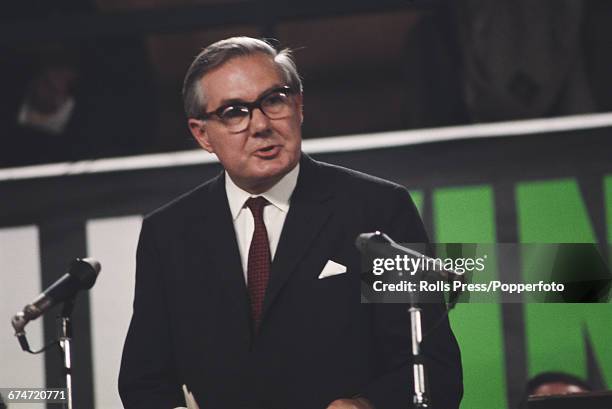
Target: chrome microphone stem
420,398
65,342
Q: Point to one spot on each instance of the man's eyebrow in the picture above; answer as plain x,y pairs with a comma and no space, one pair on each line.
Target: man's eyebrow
238,101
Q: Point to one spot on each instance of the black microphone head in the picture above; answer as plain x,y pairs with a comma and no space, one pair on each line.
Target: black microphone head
95,264
361,242
85,271
381,238
364,239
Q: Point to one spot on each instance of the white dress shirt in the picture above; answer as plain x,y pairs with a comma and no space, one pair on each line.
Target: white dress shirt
274,214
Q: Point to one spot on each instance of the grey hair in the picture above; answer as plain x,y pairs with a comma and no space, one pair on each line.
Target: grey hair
219,53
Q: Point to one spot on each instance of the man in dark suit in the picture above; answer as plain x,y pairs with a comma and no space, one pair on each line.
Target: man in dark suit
248,287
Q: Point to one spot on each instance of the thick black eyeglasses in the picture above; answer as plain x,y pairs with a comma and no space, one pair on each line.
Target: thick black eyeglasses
275,104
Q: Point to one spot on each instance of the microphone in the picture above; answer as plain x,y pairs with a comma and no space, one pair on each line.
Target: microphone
380,244
81,275
376,242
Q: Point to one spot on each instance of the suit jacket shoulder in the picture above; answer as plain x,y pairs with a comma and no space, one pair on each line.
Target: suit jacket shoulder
388,203
355,180
195,203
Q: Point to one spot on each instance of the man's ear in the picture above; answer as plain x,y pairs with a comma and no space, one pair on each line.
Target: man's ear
198,130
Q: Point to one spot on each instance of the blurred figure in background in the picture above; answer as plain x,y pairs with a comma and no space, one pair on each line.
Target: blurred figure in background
483,61
38,106
554,383
74,102
49,101
523,59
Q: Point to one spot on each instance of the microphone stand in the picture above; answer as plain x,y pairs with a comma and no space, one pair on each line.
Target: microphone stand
420,398
81,275
65,343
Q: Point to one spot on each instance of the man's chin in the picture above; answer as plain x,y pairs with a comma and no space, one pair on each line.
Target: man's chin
271,168
265,178
271,175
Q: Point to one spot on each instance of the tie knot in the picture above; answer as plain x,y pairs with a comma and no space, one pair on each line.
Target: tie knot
256,204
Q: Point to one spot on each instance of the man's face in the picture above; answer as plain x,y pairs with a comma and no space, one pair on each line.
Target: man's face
267,149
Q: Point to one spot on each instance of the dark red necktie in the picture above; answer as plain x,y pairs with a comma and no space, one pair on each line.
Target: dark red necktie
258,267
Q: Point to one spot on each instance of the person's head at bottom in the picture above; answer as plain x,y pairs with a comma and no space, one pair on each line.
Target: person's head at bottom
554,383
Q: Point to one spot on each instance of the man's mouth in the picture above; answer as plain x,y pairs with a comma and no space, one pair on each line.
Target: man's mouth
268,151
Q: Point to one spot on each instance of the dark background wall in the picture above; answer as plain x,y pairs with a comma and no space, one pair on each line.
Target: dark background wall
367,66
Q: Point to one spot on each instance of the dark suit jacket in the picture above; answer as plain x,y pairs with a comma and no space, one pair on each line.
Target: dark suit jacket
316,342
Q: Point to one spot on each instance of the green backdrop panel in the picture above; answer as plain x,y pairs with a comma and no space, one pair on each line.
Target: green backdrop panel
554,212
466,215
417,198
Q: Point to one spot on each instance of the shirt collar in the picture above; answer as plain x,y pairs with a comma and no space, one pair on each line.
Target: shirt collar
278,195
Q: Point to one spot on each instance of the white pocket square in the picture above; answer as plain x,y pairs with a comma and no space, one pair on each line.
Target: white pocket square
331,269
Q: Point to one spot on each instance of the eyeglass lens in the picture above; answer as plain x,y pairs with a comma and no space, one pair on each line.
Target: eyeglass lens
275,106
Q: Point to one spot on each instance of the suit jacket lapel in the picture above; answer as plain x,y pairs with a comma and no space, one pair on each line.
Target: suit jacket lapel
309,211
221,255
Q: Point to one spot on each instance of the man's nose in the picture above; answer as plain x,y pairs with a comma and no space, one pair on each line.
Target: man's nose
259,121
